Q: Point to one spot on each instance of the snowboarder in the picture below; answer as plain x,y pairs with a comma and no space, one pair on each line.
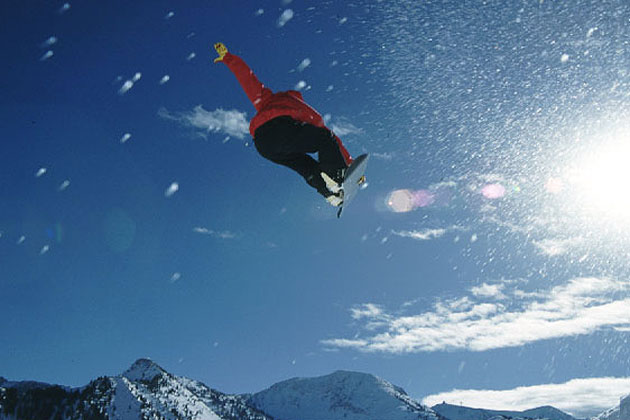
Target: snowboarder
285,130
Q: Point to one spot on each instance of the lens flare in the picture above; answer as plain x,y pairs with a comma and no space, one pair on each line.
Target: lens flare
554,185
400,201
403,201
493,191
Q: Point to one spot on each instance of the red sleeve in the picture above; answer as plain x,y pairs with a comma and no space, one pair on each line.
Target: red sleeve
256,91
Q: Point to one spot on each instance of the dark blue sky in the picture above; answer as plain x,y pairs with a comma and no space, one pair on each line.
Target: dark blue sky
487,253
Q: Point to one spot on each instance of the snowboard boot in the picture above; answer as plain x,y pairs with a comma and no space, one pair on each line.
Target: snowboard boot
334,200
334,179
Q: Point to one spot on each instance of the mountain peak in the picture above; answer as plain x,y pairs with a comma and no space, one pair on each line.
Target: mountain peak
339,395
143,370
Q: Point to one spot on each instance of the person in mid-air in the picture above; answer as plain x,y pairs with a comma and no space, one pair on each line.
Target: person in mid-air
285,130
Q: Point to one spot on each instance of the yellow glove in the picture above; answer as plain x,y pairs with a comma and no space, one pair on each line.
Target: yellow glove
221,50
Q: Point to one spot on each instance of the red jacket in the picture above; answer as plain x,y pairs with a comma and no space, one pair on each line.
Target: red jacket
270,105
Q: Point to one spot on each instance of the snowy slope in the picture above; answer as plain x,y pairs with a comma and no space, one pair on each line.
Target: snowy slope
144,391
341,395
620,412
456,412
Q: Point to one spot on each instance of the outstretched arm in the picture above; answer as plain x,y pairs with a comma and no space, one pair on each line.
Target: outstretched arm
256,91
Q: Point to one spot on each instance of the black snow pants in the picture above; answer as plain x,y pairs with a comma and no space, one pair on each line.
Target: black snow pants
287,142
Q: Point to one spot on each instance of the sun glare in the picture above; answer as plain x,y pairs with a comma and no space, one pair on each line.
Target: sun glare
599,182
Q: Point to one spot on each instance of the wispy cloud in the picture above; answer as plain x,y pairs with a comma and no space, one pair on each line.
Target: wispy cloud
489,291
232,123
485,319
554,247
215,234
579,397
343,128
422,234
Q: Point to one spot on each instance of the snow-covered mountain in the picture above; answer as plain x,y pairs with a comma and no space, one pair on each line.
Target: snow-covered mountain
620,412
144,391
341,395
456,412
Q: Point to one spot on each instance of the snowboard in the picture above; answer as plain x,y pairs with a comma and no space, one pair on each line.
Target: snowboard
353,181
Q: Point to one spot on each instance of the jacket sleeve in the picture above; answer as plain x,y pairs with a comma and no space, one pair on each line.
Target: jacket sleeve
256,91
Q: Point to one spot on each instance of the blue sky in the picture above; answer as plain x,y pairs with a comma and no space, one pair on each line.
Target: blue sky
489,252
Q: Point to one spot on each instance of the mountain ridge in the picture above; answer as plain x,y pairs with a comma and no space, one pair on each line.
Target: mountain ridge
456,412
147,391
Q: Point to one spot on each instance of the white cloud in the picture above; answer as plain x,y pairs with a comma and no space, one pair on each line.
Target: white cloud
285,17
232,123
579,397
421,235
165,79
40,172
555,247
488,290
216,234
383,156
125,137
581,306
368,310
343,128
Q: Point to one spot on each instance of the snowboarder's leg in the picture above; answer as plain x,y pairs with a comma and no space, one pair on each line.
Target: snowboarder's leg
311,139
275,141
